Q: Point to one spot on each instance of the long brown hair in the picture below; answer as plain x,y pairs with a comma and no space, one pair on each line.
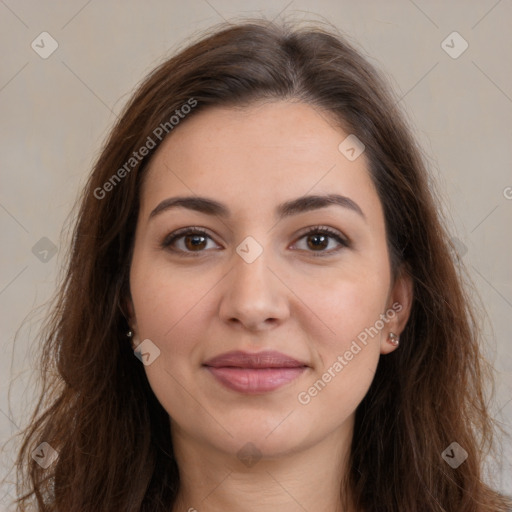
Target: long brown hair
97,409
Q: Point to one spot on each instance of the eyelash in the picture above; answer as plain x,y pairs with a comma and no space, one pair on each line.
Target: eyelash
322,230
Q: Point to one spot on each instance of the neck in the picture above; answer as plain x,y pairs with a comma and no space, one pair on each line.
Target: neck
212,480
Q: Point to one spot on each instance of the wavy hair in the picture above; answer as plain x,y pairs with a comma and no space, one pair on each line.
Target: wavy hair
96,407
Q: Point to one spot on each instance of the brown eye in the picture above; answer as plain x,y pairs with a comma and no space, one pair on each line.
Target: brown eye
193,242
318,239
187,240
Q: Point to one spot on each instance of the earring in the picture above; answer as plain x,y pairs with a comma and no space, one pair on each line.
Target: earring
393,339
129,334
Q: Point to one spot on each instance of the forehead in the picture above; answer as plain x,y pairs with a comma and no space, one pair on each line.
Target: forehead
264,152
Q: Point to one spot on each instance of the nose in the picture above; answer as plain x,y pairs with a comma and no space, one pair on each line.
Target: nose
253,295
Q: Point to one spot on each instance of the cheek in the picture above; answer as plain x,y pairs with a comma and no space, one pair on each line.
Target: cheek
169,306
176,308
347,347
166,300
345,303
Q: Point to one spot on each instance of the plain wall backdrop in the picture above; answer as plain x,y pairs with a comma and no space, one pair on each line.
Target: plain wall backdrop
57,108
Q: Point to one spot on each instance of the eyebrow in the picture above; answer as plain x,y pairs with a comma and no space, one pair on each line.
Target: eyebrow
293,207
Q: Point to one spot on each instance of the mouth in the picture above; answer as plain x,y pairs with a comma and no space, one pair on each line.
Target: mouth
255,373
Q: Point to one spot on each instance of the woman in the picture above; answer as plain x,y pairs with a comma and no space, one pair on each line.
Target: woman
259,231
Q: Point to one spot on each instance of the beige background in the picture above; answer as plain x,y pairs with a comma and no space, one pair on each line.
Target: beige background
55,113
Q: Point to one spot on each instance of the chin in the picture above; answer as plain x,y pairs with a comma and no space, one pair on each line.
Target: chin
268,437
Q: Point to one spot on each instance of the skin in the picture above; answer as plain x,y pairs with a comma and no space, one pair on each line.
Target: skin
306,306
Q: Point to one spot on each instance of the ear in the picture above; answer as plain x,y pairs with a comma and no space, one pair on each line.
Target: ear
398,309
129,313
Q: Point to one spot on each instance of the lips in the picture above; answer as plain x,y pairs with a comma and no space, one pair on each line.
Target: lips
254,373
266,359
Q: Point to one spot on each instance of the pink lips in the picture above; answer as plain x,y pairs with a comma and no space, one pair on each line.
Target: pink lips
254,373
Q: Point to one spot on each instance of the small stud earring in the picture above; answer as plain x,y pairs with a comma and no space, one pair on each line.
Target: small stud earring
393,339
129,334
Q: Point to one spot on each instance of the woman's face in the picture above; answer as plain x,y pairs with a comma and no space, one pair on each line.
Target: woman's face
253,280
